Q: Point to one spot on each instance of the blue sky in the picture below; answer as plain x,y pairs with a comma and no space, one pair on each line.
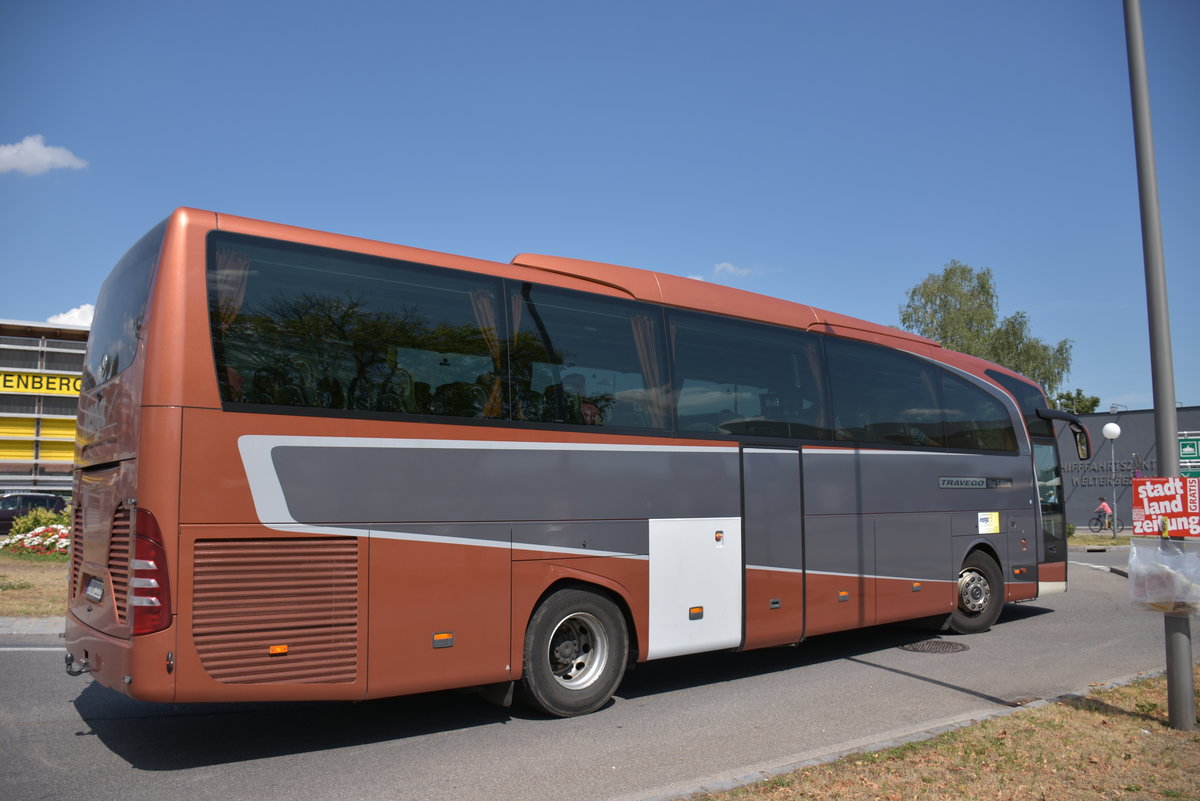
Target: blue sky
832,153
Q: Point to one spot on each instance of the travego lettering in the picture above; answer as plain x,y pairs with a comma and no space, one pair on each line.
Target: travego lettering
949,482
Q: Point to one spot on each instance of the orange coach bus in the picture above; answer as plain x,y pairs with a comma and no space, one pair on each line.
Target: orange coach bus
311,466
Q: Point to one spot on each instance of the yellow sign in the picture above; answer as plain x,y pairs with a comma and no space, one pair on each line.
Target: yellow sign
989,522
40,383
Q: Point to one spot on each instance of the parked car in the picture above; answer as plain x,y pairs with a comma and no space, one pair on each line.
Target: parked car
16,504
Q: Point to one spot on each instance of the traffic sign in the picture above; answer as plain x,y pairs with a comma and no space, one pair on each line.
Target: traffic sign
1189,449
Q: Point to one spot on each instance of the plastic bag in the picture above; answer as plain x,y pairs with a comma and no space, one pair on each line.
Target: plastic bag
1164,575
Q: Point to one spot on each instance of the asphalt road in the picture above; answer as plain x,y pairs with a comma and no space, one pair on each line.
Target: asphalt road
674,725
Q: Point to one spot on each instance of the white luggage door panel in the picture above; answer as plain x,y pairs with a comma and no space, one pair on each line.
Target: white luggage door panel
695,585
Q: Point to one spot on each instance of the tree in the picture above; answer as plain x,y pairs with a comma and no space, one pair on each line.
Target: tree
1076,402
958,308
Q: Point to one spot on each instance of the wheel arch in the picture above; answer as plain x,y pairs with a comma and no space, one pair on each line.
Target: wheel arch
987,547
562,578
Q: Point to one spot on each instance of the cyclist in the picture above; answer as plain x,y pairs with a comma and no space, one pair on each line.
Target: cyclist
1105,510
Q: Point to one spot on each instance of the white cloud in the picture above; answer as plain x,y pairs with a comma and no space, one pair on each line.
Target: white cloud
726,267
697,277
33,156
80,315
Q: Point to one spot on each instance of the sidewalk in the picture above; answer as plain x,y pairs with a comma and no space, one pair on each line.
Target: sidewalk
32,625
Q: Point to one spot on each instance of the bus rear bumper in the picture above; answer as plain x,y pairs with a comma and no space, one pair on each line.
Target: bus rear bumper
144,674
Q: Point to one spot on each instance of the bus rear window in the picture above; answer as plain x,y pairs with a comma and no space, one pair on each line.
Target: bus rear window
121,309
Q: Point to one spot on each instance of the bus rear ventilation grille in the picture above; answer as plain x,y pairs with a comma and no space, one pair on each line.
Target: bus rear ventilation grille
76,550
118,562
251,595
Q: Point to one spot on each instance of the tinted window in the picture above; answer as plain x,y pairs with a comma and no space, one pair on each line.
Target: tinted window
884,396
64,361
295,326
18,358
121,309
1029,399
21,404
734,377
974,419
586,360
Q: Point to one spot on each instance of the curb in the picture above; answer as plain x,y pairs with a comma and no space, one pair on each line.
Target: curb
867,745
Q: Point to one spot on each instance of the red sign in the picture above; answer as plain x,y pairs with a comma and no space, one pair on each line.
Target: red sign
1173,500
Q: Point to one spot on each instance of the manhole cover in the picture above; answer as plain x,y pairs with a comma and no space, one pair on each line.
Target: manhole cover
935,647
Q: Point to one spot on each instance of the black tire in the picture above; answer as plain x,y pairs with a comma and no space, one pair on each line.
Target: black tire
1096,524
576,647
980,595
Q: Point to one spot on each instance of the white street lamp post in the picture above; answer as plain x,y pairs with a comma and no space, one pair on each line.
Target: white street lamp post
1111,432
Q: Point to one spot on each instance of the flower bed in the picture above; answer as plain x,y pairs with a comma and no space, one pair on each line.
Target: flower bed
52,541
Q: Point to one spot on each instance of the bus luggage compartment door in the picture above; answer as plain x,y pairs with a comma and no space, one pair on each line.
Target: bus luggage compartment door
773,512
695,585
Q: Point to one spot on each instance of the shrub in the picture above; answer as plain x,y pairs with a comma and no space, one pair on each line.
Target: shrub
39,518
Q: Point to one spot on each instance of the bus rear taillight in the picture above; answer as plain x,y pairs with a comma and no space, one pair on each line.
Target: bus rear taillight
150,590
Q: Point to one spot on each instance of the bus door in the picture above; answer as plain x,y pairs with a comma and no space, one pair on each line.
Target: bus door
773,529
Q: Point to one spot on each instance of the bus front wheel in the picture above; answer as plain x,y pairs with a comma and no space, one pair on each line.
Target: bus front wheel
980,595
576,647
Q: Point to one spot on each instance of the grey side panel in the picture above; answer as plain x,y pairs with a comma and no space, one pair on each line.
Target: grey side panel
348,485
848,482
839,544
1022,526
852,496
914,546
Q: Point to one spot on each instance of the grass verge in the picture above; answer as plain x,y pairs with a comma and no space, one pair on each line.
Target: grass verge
1112,744
1097,539
32,587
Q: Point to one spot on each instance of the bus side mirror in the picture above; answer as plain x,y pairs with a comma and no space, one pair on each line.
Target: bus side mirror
1083,440
1083,444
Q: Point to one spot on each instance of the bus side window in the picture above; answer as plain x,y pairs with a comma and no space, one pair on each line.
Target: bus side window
884,396
747,379
583,360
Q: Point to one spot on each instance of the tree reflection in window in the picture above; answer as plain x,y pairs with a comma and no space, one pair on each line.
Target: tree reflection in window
311,330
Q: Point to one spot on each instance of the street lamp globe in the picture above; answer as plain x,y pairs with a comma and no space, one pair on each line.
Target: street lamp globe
1111,431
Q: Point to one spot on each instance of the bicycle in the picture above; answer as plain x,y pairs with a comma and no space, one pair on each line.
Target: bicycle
1102,521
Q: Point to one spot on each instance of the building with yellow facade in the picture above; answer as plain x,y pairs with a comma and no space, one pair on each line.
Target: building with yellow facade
41,367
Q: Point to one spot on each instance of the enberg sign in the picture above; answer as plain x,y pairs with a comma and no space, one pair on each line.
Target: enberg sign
40,383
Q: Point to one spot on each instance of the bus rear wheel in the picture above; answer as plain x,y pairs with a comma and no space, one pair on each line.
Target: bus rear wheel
980,595
576,647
